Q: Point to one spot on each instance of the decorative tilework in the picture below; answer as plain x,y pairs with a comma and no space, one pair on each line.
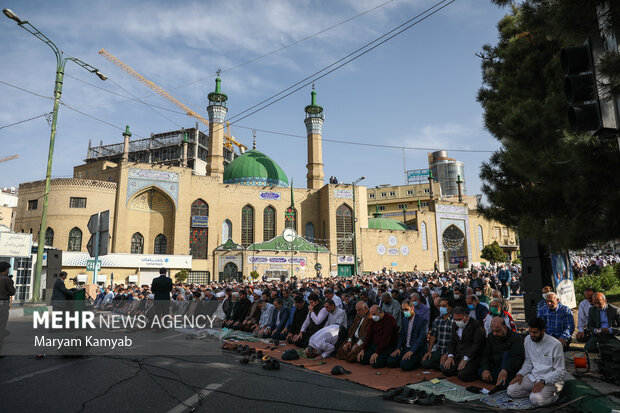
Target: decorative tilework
314,125
138,179
217,113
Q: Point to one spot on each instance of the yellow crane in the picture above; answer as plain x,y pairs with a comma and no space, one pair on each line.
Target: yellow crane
229,139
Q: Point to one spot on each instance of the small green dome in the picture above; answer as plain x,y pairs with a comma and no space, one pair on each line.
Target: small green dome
386,223
255,168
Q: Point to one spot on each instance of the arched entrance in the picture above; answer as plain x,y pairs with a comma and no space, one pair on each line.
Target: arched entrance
230,273
454,247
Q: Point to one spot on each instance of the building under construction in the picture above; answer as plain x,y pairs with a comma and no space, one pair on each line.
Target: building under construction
184,147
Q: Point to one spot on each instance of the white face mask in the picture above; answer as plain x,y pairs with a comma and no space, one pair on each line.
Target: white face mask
478,293
457,296
544,296
460,323
376,318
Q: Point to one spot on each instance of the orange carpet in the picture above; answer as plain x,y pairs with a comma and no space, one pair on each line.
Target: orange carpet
380,379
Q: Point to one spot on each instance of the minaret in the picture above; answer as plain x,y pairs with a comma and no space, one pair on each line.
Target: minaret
217,113
430,184
314,128
459,182
184,155
126,136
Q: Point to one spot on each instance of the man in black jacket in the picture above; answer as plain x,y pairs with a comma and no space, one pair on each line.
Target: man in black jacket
466,346
7,289
503,354
300,313
603,322
161,288
240,310
60,293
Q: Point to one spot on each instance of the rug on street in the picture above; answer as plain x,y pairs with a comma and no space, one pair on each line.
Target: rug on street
453,392
380,379
501,400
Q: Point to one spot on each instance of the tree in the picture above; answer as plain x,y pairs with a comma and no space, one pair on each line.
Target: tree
555,187
493,253
181,276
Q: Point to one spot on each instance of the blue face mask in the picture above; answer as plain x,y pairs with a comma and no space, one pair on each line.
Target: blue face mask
416,303
407,314
470,306
443,310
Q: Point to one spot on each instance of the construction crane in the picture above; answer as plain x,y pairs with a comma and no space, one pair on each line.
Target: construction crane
9,158
228,138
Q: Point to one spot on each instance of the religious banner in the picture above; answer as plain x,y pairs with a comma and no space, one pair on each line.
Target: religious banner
269,196
563,279
301,261
343,193
199,221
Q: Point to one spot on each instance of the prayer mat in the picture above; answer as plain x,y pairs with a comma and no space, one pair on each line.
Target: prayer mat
452,391
501,400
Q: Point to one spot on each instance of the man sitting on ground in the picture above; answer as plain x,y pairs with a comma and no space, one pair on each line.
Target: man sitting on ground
439,341
296,320
278,320
380,339
476,310
503,355
351,348
264,320
389,305
336,315
466,347
582,315
411,341
496,311
422,310
603,322
316,319
543,303
541,376
558,320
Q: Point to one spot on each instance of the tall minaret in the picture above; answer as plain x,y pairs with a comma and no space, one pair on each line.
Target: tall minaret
314,129
217,113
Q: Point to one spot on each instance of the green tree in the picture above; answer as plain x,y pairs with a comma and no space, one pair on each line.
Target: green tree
181,276
493,253
554,187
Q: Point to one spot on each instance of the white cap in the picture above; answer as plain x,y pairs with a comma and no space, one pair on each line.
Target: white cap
258,292
220,294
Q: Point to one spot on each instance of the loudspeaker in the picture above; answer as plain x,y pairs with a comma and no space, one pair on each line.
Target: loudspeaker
537,273
54,267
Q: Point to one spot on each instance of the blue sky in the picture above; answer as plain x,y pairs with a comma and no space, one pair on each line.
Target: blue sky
418,90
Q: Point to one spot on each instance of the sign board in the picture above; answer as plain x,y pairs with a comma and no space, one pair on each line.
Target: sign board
200,221
90,265
78,259
417,175
99,223
15,245
318,266
301,261
393,251
563,279
269,196
345,259
343,193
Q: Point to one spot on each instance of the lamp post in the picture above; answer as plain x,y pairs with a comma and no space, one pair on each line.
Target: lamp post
355,227
60,69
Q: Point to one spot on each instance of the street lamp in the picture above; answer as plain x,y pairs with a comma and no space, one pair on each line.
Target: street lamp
355,227
60,69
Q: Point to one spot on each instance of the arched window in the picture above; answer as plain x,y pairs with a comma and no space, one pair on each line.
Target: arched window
247,226
137,243
199,230
423,235
226,230
480,239
49,237
290,218
344,230
161,244
75,240
269,223
310,231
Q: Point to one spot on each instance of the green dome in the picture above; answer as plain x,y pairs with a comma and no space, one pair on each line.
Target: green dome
386,223
255,168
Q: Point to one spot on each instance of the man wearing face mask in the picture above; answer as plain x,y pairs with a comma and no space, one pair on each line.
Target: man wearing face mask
543,303
380,339
497,312
411,344
484,300
421,310
437,351
466,347
458,297
503,354
542,375
391,306
476,310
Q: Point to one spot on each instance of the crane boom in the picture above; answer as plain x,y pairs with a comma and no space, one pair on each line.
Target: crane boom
229,139
9,158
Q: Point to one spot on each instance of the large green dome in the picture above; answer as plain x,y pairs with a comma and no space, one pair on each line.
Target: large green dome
255,168
386,223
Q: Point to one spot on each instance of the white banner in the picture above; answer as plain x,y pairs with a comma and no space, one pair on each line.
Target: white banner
78,259
15,245
301,261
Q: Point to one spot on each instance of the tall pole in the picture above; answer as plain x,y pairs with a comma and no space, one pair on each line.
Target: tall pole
60,69
355,227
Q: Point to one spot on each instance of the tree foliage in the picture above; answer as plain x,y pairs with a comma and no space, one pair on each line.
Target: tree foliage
560,189
493,253
181,276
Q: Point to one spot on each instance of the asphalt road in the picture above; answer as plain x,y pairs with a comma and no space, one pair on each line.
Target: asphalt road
217,383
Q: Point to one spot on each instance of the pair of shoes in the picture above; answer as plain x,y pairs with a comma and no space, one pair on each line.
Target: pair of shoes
390,394
431,400
408,396
271,364
259,354
497,389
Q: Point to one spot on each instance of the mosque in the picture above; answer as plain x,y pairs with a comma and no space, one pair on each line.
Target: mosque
187,201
